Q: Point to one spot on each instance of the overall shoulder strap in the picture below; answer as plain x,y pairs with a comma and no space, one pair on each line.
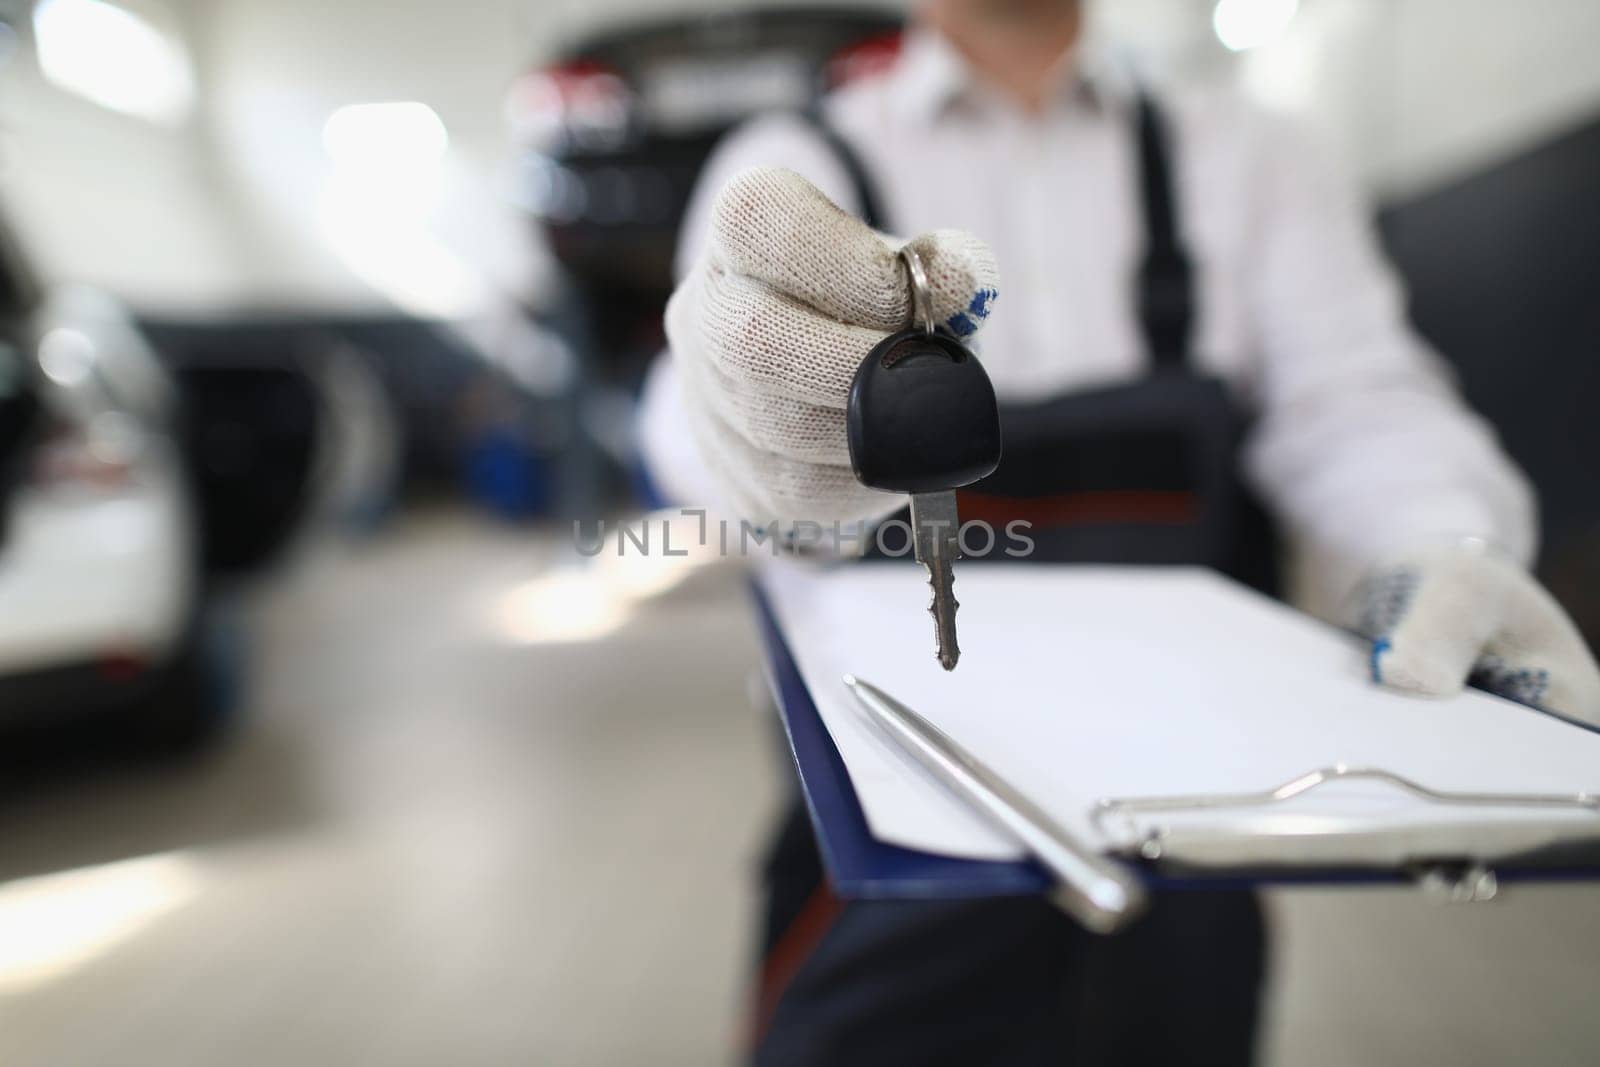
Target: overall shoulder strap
868,201
1165,296
1165,280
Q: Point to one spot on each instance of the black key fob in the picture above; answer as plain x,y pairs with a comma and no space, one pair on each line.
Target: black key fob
922,416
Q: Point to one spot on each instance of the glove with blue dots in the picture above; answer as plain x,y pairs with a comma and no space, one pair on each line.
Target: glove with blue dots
768,328
1463,614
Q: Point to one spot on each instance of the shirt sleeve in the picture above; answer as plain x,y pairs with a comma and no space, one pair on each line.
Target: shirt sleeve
665,437
1362,446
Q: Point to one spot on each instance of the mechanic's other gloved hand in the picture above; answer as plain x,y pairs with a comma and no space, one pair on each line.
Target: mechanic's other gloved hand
1445,616
768,330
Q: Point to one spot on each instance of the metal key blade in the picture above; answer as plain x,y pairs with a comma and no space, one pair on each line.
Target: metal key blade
936,535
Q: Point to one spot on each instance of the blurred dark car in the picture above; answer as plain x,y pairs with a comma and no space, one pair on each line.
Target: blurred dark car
615,129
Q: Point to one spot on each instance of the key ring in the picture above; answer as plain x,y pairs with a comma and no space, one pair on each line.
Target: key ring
921,297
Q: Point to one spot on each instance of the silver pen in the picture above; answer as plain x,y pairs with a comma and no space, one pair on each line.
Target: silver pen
1101,893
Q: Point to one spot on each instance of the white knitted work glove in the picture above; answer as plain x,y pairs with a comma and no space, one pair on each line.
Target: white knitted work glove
1446,616
770,325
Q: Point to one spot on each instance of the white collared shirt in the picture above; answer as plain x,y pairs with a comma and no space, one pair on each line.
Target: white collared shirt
1361,445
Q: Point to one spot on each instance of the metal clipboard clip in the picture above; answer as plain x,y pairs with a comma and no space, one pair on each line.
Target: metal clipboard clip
1452,858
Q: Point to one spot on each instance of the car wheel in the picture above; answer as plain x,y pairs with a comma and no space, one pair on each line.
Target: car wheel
188,708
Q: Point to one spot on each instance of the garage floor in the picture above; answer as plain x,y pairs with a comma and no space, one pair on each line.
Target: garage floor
487,809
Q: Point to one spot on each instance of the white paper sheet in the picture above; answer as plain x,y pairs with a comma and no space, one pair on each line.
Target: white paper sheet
1077,683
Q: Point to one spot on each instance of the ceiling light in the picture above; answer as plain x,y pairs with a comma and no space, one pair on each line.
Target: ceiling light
1242,24
113,57
403,133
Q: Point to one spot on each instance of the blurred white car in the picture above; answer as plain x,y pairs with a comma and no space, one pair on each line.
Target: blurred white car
99,568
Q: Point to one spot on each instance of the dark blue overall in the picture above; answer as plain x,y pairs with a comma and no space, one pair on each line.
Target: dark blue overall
1139,473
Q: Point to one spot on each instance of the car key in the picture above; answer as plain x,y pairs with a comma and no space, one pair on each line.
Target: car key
923,420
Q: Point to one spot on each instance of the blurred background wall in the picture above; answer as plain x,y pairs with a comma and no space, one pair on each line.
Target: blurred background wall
216,204
1413,92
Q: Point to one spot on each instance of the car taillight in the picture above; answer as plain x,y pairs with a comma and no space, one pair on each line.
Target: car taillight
99,454
582,103
862,59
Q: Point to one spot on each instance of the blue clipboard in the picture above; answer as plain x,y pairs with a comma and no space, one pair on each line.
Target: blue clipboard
859,866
